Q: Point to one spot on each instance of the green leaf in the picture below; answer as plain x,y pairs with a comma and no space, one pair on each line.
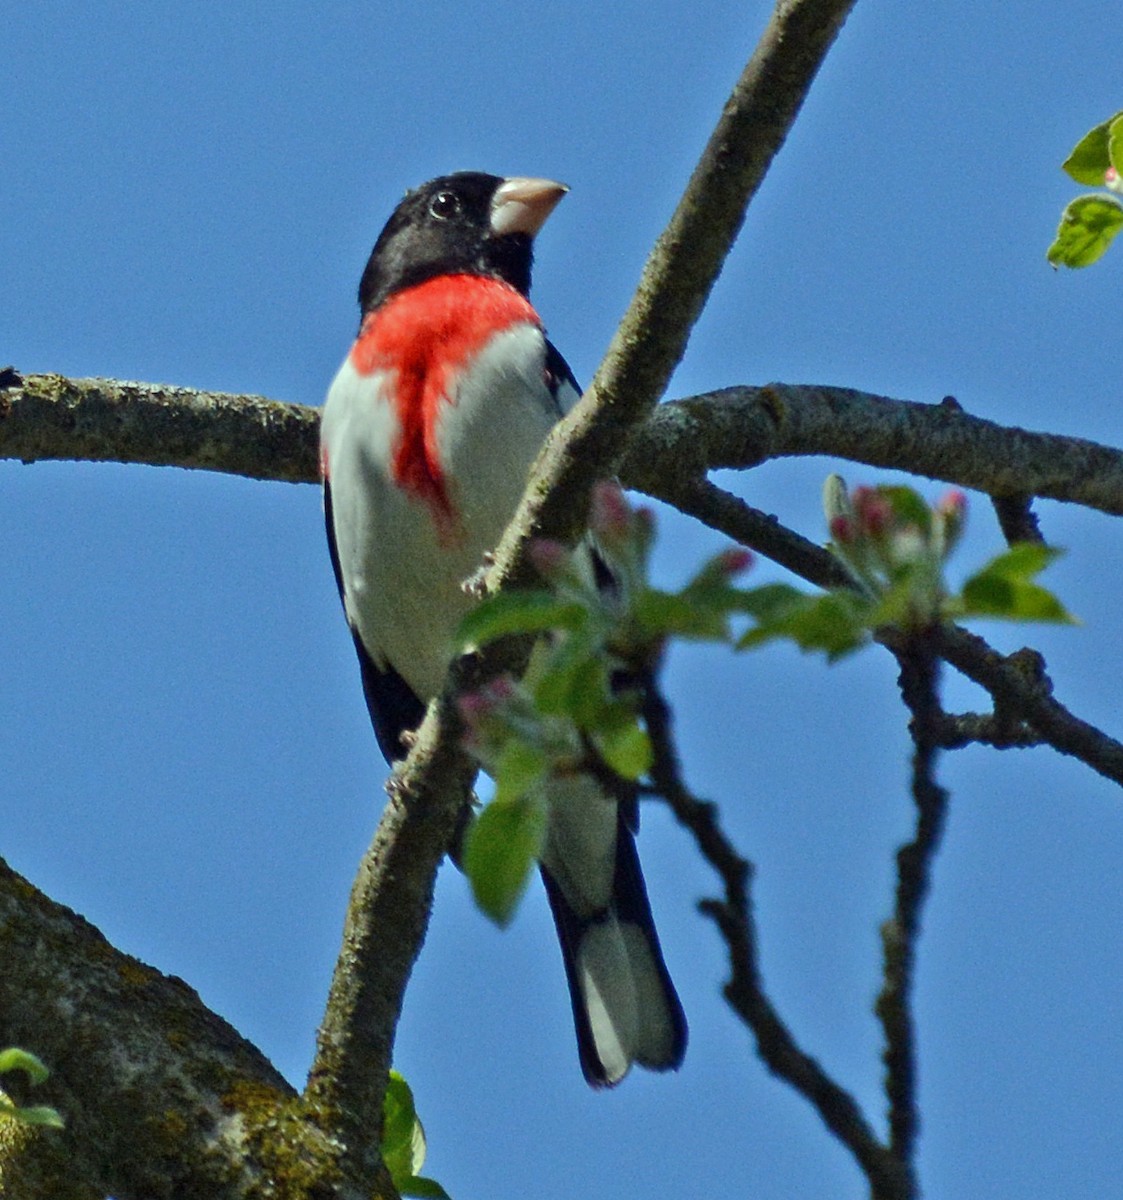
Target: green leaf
772,601
426,1189
14,1059
1087,228
38,1114
835,622
912,597
685,614
1005,588
403,1139
501,847
403,1142
575,677
514,613
520,766
624,745
908,505
1090,157
1115,142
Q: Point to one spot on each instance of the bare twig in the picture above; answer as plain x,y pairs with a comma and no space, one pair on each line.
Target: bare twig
953,731
1023,692
1016,518
919,689
733,915
721,510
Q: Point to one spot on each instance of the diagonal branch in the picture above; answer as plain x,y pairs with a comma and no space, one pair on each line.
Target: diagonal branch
677,278
391,899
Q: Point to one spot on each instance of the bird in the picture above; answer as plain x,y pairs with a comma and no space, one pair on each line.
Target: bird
428,433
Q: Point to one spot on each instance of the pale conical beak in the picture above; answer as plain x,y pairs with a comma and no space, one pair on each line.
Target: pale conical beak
522,205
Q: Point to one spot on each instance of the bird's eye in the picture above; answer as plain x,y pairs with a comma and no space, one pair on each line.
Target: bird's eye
444,205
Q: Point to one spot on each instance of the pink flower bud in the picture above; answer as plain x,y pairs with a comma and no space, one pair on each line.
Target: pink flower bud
550,557
610,516
645,518
875,513
953,503
476,707
735,560
843,530
500,689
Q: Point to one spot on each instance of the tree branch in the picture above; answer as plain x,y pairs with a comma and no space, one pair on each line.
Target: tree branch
391,899
160,1096
677,278
745,426
919,683
733,915
51,417
387,916
106,420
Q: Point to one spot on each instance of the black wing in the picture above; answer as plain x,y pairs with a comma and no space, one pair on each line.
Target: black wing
394,709
560,379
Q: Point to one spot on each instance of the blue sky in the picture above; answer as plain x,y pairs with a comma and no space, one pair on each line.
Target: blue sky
190,194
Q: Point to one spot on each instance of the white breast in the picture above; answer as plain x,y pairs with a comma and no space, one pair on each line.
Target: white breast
402,579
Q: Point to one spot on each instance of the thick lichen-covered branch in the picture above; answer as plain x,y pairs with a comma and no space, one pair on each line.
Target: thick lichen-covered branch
160,1097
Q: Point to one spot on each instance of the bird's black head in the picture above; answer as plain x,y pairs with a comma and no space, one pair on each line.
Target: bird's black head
467,223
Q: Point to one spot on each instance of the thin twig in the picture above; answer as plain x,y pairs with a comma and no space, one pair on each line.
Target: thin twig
919,682
953,731
733,915
1022,691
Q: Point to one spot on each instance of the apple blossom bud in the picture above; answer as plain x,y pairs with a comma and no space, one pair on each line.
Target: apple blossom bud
735,560
551,558
953,503
610,516
874,512
836,501
843,529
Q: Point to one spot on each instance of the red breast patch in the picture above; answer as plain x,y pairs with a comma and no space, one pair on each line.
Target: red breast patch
425,335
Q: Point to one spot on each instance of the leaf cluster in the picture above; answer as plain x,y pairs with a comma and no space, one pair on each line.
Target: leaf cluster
578,711
1089,223
13,1059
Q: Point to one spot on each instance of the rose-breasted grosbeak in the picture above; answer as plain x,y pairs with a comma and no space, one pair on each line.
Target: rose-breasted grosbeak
429,430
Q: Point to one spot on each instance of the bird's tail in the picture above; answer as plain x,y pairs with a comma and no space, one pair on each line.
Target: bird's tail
625,1007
